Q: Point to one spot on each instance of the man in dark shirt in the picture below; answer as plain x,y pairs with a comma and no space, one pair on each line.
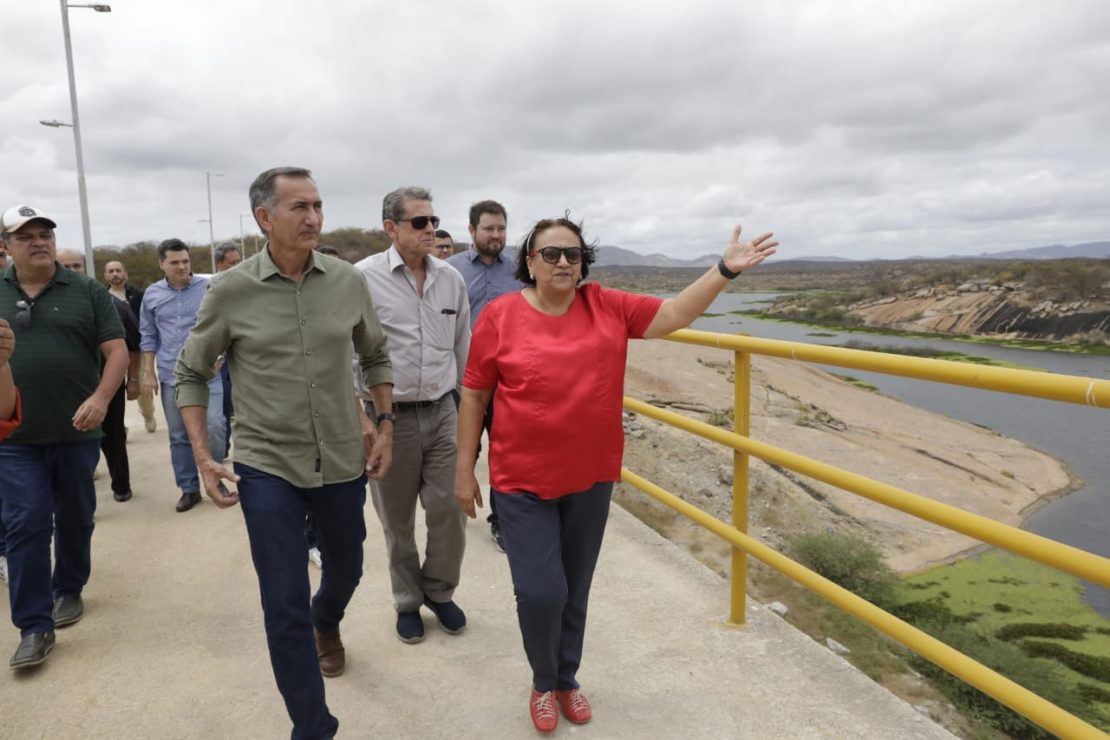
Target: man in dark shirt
62,322
115,274
114,442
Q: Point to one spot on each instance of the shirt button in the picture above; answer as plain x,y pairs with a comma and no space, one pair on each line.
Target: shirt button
316,413
303,322
311,385
307,352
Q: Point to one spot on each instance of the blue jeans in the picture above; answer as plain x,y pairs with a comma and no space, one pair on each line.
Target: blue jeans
552,548
37,481
274,511
229,410
181,452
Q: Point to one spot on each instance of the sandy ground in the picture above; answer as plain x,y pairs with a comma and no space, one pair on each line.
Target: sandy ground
800,408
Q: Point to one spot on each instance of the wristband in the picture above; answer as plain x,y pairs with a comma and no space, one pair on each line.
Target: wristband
723,269
390,417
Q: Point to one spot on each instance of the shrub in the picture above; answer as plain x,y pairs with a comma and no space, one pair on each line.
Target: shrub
850,562
1007,659
1092,666
1018,630
1090,693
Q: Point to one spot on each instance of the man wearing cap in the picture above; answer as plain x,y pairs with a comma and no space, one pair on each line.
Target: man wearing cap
169,311
488,273
423,307
62,322
115,274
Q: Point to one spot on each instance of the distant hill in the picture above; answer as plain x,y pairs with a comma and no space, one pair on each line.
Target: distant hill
618,257
1096,250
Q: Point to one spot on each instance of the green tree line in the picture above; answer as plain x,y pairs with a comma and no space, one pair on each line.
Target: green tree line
141,258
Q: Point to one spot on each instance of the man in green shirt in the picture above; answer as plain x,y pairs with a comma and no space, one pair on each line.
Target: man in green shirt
286,319
62,322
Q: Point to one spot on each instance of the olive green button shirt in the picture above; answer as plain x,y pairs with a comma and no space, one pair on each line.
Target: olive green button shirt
288,348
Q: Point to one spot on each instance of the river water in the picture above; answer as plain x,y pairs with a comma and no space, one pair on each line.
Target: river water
1078,435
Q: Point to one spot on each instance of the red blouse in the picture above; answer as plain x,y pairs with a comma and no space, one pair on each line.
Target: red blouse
558,383
8,426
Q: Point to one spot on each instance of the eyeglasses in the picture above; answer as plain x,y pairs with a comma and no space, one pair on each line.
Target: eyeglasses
23,318
421,222
551,254
445,248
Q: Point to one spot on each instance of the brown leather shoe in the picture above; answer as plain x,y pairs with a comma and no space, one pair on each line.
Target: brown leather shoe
329,649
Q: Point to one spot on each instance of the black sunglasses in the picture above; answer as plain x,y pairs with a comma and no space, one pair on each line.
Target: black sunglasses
421,222
23,318
551,254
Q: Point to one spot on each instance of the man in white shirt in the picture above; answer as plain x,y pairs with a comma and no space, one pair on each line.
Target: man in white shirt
423,307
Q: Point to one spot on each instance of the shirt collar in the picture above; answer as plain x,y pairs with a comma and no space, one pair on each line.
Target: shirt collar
61,274
267,268
474,256
395,260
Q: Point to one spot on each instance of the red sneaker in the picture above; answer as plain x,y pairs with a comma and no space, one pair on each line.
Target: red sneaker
542,709
575,706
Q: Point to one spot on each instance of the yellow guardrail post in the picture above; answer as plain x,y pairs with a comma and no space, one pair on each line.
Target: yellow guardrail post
741,407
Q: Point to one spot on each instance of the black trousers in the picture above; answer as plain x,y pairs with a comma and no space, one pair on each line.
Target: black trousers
114,443
552,547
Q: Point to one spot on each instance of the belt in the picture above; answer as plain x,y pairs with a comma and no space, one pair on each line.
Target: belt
405,405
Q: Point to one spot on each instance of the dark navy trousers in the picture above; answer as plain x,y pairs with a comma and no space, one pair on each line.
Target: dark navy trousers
45,490
275,511
552,547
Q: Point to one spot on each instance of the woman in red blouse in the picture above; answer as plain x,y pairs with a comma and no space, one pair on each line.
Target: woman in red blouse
551,357
9,398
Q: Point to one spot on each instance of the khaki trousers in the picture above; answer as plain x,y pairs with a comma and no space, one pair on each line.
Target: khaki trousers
423,470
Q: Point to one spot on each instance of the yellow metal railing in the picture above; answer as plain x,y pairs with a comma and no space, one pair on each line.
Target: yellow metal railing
1072,560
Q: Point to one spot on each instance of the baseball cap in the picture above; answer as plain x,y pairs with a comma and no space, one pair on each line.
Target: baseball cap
15,217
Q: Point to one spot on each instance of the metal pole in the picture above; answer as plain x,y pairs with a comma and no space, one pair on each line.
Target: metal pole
211,231
90,264
242,239
741,406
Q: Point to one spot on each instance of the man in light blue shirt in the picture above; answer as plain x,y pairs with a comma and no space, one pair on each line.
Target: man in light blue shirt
488,273
169,311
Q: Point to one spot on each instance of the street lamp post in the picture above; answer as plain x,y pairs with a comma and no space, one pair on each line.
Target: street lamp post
90,265
211,232
242,239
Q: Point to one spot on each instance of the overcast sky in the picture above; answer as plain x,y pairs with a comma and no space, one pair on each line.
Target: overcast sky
858,129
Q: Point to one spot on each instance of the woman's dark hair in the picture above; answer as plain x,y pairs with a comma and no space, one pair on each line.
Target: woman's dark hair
588,256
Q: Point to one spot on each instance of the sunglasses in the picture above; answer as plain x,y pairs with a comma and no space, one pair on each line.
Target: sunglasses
551,254
23,318
421,222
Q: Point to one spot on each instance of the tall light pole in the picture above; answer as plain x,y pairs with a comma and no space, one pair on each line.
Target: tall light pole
242,239
211,232
90,265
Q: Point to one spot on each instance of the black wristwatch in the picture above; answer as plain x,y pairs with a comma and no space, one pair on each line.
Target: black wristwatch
723,268
390,417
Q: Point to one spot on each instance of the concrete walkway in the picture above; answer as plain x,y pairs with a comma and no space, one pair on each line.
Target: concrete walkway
172,645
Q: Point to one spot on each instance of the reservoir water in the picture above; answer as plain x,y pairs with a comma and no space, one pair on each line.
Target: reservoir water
1077,435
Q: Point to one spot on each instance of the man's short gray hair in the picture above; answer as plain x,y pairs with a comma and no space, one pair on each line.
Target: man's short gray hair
263,191
393,204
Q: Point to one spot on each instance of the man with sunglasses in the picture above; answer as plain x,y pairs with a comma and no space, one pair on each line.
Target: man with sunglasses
488,273
445,245
424,311
62,321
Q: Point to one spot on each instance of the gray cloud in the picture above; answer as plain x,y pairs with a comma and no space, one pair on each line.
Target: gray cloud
863,129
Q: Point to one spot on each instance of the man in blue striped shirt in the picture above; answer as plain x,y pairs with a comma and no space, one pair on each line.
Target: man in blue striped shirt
169,311
488,273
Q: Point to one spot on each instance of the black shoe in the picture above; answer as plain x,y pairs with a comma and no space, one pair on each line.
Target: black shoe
122,496
32,650
188,501
495,535
68,609
410,627
451,617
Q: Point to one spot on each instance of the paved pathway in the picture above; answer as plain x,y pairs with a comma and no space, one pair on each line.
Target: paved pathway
172,645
